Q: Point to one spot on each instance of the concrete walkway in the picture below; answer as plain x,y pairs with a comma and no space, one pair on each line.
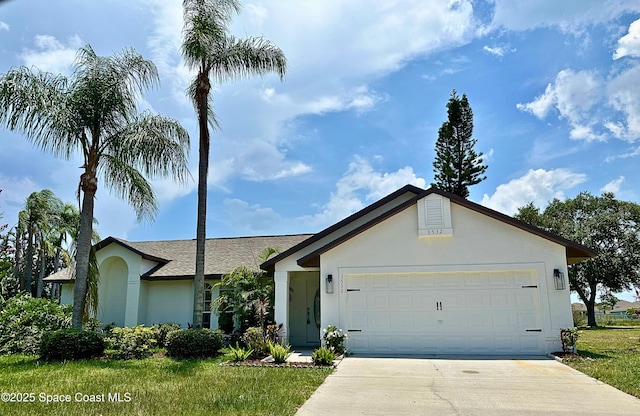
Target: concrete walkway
464,386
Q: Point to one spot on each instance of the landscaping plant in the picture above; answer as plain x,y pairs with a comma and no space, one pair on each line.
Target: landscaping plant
279,352
71,344
131,342
569,337
194,343
323,356
334,339
24,319
237,354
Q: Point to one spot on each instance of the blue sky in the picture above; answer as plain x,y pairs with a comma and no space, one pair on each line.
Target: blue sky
553,86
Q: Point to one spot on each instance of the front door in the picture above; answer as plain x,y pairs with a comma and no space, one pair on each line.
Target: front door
304,309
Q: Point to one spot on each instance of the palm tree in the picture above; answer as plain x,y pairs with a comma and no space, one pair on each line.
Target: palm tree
39,210
95,113
209,49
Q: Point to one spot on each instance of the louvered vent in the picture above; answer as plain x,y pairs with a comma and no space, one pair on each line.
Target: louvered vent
434,216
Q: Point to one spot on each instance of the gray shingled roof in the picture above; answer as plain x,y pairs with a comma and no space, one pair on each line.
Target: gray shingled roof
177,257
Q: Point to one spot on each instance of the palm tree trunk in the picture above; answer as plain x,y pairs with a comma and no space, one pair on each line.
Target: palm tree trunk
43,263
29,266
202,93
18,258
83,251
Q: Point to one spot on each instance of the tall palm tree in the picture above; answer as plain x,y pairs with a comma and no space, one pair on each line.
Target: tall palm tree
95,113
209,49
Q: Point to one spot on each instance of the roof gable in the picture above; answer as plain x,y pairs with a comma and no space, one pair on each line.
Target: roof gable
574,251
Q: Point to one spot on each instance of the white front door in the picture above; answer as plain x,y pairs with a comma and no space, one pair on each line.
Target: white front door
444,313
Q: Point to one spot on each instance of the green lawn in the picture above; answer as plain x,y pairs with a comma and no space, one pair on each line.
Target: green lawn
155,386
611,355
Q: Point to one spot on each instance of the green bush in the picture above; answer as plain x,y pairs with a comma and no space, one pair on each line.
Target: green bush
161,331
579,318
253,338
279,352
24,319
334,339
237,354
194,343
323,356
71,344
135,342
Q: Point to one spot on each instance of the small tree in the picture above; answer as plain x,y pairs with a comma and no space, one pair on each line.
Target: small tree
457,165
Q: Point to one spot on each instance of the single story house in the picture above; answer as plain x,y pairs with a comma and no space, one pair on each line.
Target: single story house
417,272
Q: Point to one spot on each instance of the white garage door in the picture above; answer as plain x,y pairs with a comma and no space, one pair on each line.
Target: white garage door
444,313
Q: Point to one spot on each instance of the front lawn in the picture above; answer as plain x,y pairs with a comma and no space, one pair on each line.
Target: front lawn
154,386
611,355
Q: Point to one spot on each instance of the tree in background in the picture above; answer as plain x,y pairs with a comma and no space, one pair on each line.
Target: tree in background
457,165
602,223
209,48
95,113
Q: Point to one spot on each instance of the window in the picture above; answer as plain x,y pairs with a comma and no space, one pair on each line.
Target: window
206,314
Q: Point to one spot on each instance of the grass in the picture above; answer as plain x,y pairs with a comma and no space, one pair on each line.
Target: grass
612,356
156,386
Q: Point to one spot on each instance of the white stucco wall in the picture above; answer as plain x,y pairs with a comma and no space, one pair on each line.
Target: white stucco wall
169,301
478,241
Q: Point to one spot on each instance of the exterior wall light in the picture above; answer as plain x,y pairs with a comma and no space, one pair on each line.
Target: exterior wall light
329,285
559,279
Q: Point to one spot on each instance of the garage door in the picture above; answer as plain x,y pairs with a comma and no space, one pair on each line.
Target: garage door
444,313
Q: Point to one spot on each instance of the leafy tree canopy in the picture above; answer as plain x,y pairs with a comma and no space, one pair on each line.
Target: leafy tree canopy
602,223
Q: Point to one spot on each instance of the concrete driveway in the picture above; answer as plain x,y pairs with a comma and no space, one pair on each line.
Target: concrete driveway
464,386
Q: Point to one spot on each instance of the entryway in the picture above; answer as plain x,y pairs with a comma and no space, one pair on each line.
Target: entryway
304,309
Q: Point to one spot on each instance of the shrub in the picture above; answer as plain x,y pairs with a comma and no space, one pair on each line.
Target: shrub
135,342
254,339
334,339
323,356
579,318
237,354
161,331
71,344
194,343
24,319
279,352
569,337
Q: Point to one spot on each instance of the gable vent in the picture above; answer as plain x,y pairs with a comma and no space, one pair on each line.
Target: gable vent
434,216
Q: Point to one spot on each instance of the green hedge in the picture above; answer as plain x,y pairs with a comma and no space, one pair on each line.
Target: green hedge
194,343
71,344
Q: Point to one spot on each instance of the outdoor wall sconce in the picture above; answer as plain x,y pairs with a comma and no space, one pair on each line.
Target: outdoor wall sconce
559,279
329,283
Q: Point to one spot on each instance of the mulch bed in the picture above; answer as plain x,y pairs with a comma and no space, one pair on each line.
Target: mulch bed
260,363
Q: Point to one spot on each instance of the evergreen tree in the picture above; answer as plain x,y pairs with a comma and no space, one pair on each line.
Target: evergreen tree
457,165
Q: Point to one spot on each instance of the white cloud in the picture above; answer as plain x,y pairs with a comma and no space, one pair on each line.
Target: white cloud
567,15
498,50
629,44
538,186
613,186
51,55
633,152
4,26
573,95
360,185
624,96
250,218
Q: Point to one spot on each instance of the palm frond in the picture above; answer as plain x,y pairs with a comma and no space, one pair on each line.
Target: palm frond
212,118
234,58
155,144
129,184
205,23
